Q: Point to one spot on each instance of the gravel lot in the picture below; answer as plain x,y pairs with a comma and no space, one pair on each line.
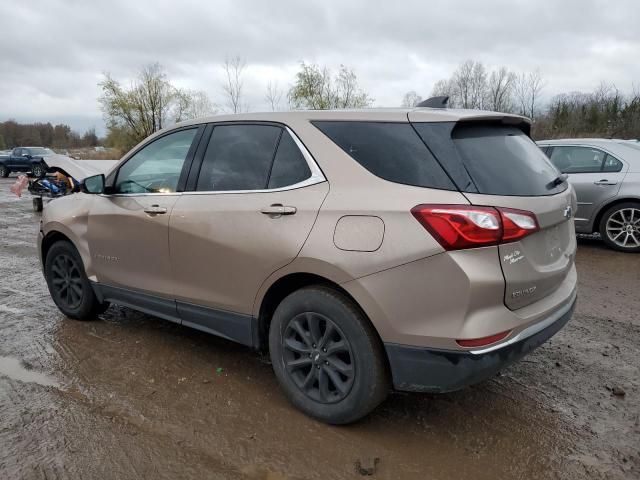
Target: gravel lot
132,396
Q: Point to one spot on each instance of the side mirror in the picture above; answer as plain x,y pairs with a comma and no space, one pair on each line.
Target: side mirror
93,185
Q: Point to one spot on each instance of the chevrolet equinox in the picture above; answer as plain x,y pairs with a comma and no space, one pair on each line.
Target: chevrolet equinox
417,249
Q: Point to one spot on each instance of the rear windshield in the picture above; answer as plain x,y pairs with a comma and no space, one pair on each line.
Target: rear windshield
40,151
498,159
392,151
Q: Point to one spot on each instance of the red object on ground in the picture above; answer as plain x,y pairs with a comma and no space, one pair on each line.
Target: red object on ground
19,185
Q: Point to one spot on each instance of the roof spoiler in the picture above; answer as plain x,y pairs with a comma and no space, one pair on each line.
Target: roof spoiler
435,102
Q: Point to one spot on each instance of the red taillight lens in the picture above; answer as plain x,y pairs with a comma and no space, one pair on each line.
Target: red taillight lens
484,341
517,224
458,227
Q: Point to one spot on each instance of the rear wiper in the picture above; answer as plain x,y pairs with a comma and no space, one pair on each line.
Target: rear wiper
563,177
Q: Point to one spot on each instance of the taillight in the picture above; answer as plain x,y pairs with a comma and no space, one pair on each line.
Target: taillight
517,224
458,227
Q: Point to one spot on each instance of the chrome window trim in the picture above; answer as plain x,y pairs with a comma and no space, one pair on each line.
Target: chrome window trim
316,177
316,174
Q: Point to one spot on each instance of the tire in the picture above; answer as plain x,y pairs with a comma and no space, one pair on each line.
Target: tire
39,170
4,171
303,363
620,227
63,268
37,204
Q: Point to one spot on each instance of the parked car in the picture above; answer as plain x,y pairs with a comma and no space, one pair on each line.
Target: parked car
423,249
25,159
606,178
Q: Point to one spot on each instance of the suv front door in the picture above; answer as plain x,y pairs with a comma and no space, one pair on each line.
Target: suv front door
128,227
595,175
255,200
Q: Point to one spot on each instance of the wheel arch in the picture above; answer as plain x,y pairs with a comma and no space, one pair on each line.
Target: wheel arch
288,284
49,239
617,201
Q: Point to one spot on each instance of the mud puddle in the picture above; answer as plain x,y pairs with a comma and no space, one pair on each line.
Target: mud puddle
17,370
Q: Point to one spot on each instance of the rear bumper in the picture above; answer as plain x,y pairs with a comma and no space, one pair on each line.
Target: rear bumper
420,369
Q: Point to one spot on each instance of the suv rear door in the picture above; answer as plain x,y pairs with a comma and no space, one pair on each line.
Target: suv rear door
496,164
254,196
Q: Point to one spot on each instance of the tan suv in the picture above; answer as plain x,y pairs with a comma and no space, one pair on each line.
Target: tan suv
420,249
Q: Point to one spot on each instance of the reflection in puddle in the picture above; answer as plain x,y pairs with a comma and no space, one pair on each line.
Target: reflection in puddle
14,369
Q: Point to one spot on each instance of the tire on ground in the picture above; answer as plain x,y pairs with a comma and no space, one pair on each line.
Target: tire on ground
369,385
611,212
88,307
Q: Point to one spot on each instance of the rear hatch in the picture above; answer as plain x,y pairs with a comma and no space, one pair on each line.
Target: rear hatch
494,163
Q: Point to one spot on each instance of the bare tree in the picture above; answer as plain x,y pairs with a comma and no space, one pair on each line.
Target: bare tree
470,85
528,88
411,99
445,88
232,86
500,94
274,96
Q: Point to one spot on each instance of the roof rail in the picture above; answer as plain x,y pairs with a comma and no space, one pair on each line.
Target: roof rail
435,102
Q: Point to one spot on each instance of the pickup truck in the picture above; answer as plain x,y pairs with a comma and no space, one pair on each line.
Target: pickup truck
25,159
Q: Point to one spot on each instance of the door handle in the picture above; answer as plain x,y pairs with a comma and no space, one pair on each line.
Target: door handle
155,210
604,181
278,209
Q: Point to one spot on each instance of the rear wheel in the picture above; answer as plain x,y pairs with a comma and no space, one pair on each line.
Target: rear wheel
68,284
620,227
4,171
326,356
38,170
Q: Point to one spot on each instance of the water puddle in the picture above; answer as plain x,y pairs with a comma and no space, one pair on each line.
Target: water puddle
15,370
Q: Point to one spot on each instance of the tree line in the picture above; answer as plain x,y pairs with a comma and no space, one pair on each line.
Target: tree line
605,112
152,102
60,136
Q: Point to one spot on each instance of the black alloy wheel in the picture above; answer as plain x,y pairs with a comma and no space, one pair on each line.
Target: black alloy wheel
318,357
66,281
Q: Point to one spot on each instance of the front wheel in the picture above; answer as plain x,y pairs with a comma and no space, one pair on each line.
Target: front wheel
68,284
620,227
326,356
38,170
4,171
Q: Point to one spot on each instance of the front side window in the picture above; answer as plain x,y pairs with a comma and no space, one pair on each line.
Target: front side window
157,167
577,159
238,157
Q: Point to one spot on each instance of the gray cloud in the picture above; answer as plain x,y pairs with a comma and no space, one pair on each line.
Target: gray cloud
53,52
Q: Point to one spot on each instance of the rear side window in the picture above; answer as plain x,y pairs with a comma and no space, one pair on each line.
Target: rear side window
392,151
496,159
611,164
289,166
238,157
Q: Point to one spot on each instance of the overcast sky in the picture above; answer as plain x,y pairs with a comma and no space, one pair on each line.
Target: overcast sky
53,52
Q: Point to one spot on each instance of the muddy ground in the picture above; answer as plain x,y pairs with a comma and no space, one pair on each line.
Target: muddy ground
132,396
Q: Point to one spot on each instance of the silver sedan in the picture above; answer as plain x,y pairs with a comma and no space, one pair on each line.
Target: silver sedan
606,177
